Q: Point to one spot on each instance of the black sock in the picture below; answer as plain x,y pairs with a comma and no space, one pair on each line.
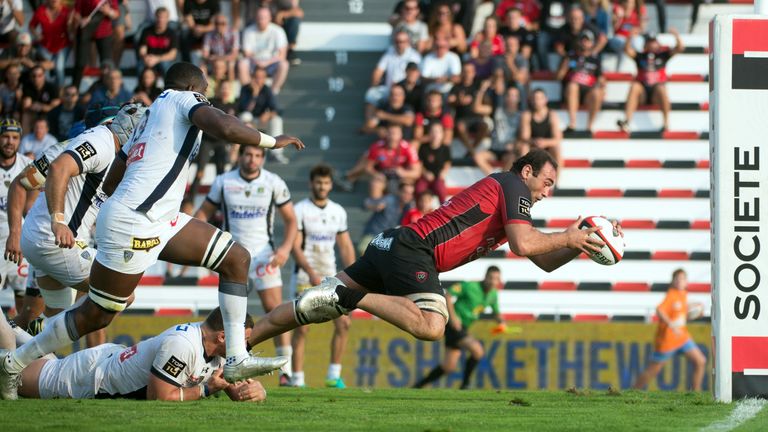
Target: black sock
348,297
469,367
432,376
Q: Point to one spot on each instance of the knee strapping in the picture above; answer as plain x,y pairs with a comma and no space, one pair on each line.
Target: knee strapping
108,302
58,298
430,302
217,249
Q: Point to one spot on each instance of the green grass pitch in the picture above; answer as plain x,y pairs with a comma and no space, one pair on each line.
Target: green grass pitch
386,410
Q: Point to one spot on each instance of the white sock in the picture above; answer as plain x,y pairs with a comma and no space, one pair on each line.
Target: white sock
54,336
233,311
297,379
21,336
334,371
286,350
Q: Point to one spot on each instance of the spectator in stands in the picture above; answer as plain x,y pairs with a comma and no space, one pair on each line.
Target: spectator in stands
120,26
413,86
629,18
222,44
387,211
441,21
389,70
434,112
540,128
435,157
649,87
198,19
514,25
106,68
11,92
38,97
502,105
489,33
113,93
575,27
514,65
260,102
392,111
410,23
265,46
441,68
61,118
33,143
289,16
158,44
172,6
597,13
52,38
583,82
11,20
461,99
23,54
485,62
425,203
394,158
93,26
551,21
526,16
147,89
220,74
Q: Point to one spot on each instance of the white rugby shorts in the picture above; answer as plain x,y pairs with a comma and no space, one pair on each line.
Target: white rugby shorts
68,266
261,275
74,376
128,241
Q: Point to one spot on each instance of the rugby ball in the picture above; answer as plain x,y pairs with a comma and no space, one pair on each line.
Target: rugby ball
613,250
695,311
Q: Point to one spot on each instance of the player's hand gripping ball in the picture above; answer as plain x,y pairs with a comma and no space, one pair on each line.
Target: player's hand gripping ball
613,250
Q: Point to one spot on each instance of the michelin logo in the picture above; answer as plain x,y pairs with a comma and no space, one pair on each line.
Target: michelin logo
382,243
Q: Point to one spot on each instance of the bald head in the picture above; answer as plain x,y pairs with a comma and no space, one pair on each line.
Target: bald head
185,76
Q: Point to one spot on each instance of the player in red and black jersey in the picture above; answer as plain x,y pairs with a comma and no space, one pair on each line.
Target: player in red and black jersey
396,279
649,86
583,81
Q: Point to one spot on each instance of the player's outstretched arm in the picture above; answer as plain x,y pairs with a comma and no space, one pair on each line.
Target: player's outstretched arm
550,251
158,389
59,173
229,128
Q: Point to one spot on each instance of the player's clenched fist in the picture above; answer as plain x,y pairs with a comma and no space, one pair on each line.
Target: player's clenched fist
249,390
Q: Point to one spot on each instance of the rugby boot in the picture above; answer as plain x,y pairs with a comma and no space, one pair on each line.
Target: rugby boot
9,381
335,383
252,366
319,304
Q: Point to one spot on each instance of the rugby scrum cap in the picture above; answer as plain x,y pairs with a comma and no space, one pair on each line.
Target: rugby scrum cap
99,114
76,129
10,125
126,120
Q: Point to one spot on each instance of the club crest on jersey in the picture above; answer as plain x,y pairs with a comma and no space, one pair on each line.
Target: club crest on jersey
42,165
127,255
144,244
136,153
7,183
174,366
85,150
248,192
524,206
422,276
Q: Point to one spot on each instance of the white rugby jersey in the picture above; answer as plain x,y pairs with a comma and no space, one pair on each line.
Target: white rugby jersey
94,151
249,206
176,356
319,226
158,154
8,174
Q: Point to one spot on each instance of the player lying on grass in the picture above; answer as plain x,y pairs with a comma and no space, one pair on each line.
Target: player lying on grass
181,364
396,279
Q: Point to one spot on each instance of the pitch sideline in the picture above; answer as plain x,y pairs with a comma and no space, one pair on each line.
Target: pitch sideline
744,410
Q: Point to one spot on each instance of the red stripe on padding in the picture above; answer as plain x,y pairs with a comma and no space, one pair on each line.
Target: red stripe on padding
680,135
618,193
699,287
670,255
518,317
173,312
590,318
686,77
557,286
559,223
618,76
702,164
512,255
700,224
577,163
630,286
643,163
610,135
749,352
210,280
676,193
750,35
151,280
638,224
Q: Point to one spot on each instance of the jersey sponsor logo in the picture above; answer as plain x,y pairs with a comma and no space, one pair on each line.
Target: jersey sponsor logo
524,206
42,165
264,269
81,244
128,353
247,213
136,153
201,98
321,237
99,199
174,366
421,276
144,244
382,243
175,221
85,150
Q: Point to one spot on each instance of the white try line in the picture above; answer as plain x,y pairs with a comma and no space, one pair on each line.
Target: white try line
744,410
